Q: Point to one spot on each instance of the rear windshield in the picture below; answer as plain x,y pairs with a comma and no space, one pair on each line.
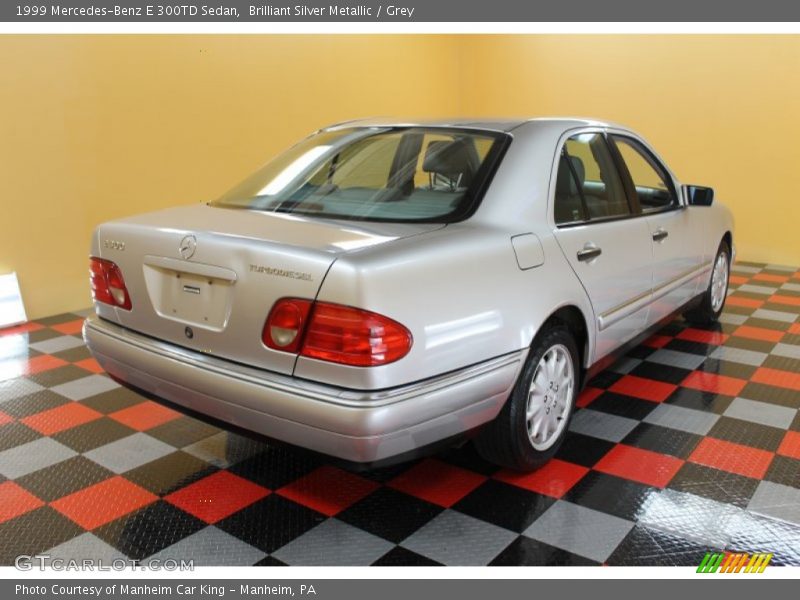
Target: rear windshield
376,174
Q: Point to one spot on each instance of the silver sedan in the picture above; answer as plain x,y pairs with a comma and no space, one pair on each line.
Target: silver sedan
385,286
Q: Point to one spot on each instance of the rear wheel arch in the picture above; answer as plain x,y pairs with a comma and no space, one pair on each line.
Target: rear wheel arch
573,318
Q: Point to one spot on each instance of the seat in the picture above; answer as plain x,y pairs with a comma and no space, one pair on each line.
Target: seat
451,159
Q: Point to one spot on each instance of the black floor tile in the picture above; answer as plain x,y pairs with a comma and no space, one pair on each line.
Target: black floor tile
93,435
271,523
402,557
663,440
727,368
699,400
528,552
389,514
59,375
714,484
33,533
170,473
504,505
623,406
16,434
659,372
64,478
784,470
583,449
182,432
149,529
22,407
613,495
746,433
276,467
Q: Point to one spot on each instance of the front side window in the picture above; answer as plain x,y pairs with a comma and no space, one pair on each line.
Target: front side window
588,185
649,178
376,174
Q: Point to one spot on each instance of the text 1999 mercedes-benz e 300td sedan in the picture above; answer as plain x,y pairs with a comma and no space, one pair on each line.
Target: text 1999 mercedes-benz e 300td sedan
384,286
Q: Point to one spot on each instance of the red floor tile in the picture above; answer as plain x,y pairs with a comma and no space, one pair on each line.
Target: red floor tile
786,300
795,329
45,362
771,277
70,327
645,389
644,466
437,482
735,300
90,365
554,479
711,382
759,333
777,378
328,490
587,396
15,501
5,419
103,502
24,328
217,496
733,458
790,446
145,415
738,279
61,418
691,334
657,341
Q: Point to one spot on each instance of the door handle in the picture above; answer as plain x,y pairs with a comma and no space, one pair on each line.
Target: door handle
660,234
589,252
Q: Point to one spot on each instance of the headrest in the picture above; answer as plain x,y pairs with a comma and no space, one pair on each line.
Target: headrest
565,182
449,158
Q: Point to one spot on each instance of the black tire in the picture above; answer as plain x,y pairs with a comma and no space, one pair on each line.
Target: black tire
705,313
505,440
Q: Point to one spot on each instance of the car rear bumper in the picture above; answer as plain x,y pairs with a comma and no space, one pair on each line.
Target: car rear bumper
358,426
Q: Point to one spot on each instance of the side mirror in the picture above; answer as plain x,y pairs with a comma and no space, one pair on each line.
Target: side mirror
697,195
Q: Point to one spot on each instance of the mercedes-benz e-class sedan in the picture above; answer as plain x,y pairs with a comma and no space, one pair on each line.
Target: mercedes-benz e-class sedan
383,286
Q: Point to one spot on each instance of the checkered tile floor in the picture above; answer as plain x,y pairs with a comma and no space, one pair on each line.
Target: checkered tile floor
689,443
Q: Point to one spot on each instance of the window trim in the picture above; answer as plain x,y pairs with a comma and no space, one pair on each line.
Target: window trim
633,207
651,159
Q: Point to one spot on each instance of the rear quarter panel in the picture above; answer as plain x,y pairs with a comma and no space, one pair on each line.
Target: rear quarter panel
459,291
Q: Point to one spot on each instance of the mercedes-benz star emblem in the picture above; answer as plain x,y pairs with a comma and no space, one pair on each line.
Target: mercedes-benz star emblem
187,247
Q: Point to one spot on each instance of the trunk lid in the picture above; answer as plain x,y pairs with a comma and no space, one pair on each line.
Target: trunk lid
205,278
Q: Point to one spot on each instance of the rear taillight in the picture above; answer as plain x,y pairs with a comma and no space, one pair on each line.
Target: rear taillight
284,327
108,286
335,333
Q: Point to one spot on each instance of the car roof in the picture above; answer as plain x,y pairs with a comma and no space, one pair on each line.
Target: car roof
498,124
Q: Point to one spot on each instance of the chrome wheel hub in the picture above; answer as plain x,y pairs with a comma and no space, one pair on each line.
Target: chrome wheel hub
719,282
550,397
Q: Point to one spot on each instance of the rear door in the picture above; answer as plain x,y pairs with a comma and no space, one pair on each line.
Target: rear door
677,248
606,242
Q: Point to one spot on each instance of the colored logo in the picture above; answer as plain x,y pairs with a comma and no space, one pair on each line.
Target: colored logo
734,562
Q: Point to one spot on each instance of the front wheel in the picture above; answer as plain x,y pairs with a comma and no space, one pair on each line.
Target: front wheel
713,300
533,423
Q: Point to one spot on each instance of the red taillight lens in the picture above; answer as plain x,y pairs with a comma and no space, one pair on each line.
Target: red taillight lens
108,286
335,333
284,327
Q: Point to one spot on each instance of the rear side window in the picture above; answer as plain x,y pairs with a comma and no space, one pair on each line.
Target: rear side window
648,177
378,174
588,185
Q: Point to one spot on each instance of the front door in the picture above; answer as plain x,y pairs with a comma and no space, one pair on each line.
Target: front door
607,243
677,249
